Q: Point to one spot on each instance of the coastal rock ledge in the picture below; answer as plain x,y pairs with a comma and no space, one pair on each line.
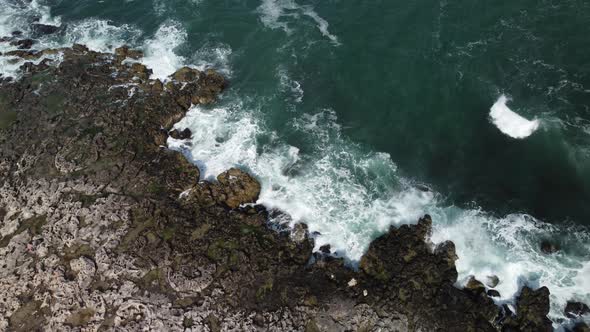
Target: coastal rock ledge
102,228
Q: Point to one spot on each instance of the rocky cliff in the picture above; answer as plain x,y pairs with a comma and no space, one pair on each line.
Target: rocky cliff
104,228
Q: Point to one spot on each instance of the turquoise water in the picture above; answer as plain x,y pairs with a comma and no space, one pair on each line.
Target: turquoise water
359,115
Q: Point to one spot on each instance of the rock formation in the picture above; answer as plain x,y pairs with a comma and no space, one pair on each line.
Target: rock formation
103,228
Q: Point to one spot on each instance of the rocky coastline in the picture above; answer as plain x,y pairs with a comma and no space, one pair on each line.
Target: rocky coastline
103,228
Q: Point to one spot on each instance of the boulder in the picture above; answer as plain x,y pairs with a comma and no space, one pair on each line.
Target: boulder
238,187
576,309
325,249
186,74
532,307
140,71
124,52
44,29
475,286
493,293
182,134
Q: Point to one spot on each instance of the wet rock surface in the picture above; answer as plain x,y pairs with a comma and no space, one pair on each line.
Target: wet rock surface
576,309
532,309
102,228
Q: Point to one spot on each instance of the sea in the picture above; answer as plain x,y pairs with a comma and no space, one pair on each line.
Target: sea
357,116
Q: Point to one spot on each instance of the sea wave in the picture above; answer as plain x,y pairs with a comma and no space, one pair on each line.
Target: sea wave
275,13
509,122
97,34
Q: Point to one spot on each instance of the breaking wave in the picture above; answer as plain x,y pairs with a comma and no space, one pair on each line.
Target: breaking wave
511,123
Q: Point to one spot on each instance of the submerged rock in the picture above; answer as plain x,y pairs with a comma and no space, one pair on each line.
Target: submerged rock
549,247
532,307
186,74
492,281
576,309
325,249
44,29
124,52
182,134
23,43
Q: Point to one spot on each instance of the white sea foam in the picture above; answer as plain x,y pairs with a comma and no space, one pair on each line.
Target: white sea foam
159,50
98,35
290,86
213,55
271,12
274,14
509,122
326,193
322,24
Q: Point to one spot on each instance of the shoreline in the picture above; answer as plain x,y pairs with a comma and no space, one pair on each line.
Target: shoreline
114,166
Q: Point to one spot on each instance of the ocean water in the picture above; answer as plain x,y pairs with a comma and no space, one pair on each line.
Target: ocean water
359,115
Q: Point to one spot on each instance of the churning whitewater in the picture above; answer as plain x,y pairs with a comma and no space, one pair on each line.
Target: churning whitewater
311,170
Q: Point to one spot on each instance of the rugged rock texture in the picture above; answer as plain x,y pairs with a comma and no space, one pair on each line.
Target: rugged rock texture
103,228
576,309
532,310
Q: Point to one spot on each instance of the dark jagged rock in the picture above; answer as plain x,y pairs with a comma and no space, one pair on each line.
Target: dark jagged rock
182,134
405,268
239,187
24,54
576,309
475,286
23,43
44,29
532,307
492,281
124,52
103,228
493,293
186,74
325,249
581,327
232,189
549,247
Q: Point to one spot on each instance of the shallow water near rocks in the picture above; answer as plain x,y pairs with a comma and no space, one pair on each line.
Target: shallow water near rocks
357,116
